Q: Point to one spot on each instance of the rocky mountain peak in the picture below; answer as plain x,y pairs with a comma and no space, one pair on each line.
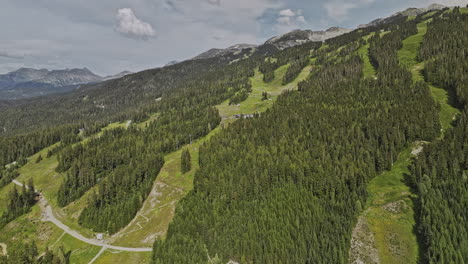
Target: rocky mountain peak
234,50
412,11
298,37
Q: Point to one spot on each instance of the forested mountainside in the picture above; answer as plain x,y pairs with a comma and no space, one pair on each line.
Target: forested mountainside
284,183
440,175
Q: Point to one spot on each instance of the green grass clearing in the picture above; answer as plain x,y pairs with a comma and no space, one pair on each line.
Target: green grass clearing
408,54
254,103
81,252
390,214
368,69
114,256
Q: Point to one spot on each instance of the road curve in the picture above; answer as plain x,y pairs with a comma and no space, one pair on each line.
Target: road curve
48,215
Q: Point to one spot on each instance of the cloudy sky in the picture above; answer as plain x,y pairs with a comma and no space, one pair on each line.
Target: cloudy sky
109,36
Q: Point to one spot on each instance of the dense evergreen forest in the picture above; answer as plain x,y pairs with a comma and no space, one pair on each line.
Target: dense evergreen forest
440,173
286,187
28,254
18,203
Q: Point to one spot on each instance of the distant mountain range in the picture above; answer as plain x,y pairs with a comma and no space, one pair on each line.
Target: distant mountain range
27,82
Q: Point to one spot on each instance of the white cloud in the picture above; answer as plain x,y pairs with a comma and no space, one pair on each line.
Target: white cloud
215,2
10,55
284,20
130,26
288,17
339,10
287,13
301,19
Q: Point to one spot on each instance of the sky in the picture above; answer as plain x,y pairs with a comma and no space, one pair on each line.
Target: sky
110,36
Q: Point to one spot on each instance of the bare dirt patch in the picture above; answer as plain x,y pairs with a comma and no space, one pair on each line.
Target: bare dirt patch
4,251
363,249
395,207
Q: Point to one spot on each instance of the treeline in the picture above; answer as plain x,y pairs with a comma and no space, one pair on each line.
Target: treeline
15,150
18,203
440,173
27,253
22,146
287,186
9,173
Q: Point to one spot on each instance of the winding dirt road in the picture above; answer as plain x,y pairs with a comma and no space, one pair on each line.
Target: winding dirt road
48,215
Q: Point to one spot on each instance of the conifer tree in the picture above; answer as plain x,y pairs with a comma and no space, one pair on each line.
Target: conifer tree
185,161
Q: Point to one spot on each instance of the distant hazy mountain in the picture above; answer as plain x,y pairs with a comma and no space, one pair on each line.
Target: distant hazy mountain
20,75
118,75
26,82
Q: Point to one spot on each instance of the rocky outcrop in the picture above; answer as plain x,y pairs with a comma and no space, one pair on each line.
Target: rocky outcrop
233,50
408,13
298,37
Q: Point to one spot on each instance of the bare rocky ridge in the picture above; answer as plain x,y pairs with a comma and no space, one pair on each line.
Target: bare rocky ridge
290,39
221,52
408,12
298,37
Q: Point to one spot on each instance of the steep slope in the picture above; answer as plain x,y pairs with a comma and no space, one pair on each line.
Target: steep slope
287,186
